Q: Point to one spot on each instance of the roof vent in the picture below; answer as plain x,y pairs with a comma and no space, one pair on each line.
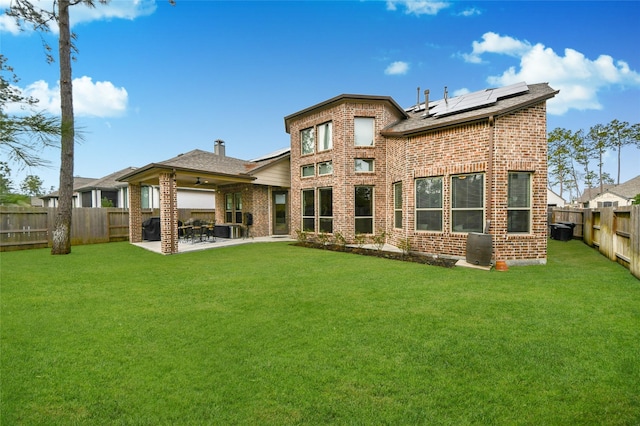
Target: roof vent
446,95
426,103
218,148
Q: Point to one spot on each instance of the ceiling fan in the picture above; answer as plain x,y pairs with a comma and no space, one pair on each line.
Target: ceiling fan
203,183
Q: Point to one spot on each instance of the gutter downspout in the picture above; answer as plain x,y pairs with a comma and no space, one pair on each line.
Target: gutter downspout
490,179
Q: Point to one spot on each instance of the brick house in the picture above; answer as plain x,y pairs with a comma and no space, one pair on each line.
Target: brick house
363,164
245,190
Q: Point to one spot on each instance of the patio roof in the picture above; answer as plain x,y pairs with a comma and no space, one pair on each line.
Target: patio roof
195,169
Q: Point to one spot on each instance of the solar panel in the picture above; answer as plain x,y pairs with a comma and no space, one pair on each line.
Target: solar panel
474,100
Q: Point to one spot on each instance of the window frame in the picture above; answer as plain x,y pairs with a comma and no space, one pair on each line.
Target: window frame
355,132
370,161
303,206
307,166
359,217
511,209
429,209
311,143
325,163
325,216
397,205
321,131
454,210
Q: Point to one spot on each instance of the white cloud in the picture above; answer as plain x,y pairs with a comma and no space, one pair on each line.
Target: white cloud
82,14
418,7
461,92
578,78
397,68
470,12
99,99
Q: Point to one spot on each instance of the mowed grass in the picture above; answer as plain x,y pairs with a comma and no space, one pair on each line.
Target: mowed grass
275,334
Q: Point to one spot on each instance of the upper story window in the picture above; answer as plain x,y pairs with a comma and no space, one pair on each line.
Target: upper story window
308,170
467,203
325,168
325,136
307,141
364,165
363,131
429,204
519,203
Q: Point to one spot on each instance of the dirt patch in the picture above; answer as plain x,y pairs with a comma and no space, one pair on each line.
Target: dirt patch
408,257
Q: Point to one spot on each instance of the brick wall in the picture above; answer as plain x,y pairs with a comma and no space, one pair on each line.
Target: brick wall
255,200
135,213
519,144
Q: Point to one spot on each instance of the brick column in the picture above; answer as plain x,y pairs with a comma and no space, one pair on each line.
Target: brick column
135,213
168,214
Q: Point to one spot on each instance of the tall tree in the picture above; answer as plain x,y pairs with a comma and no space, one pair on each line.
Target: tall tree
621,134
6,184
559,160
26,12
598,136
32,185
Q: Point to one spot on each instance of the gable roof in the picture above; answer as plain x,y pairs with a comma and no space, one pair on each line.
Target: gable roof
107,182
470,107
78,182
342,99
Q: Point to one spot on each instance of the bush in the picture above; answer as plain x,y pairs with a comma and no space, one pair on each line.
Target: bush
379,239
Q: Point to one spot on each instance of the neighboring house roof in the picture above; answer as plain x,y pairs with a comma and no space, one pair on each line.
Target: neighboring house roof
552,196
626,190
78,182
471,107
107,182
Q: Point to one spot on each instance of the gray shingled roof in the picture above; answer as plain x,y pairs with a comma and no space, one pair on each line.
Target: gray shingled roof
78,182
418,123
628,190
107,182
208,162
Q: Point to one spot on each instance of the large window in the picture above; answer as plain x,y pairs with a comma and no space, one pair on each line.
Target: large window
364,165
364,210
325,139
238,206
363,131
467,203
429,204
397,205
307,141
308,210
519,203
325,201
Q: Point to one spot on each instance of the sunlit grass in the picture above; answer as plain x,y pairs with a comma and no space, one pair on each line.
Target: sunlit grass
278,334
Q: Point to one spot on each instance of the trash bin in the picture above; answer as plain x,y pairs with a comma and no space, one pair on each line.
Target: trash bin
561,232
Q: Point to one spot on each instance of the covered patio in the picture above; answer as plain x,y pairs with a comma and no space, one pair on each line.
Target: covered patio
185,246
195,169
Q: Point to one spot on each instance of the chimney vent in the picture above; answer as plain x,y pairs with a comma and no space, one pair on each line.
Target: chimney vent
426,103
218,148
446,95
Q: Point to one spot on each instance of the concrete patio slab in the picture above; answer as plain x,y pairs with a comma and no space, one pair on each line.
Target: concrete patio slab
187,246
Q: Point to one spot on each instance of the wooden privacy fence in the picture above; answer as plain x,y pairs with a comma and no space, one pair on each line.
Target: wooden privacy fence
614,231
32,227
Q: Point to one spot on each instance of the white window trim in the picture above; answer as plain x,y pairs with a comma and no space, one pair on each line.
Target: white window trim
373,132
373,165
313,166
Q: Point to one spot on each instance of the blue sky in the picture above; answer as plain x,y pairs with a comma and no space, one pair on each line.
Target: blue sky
153,80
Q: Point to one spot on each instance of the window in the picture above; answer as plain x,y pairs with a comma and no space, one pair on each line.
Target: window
308,171
238,206
519,203
397,205
429,204
145,194
325,168
364,165
228,208
307,141
467,203
308,210
364,209
363,131
325,202
325,139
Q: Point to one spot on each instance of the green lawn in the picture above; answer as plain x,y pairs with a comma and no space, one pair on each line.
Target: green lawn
274,334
